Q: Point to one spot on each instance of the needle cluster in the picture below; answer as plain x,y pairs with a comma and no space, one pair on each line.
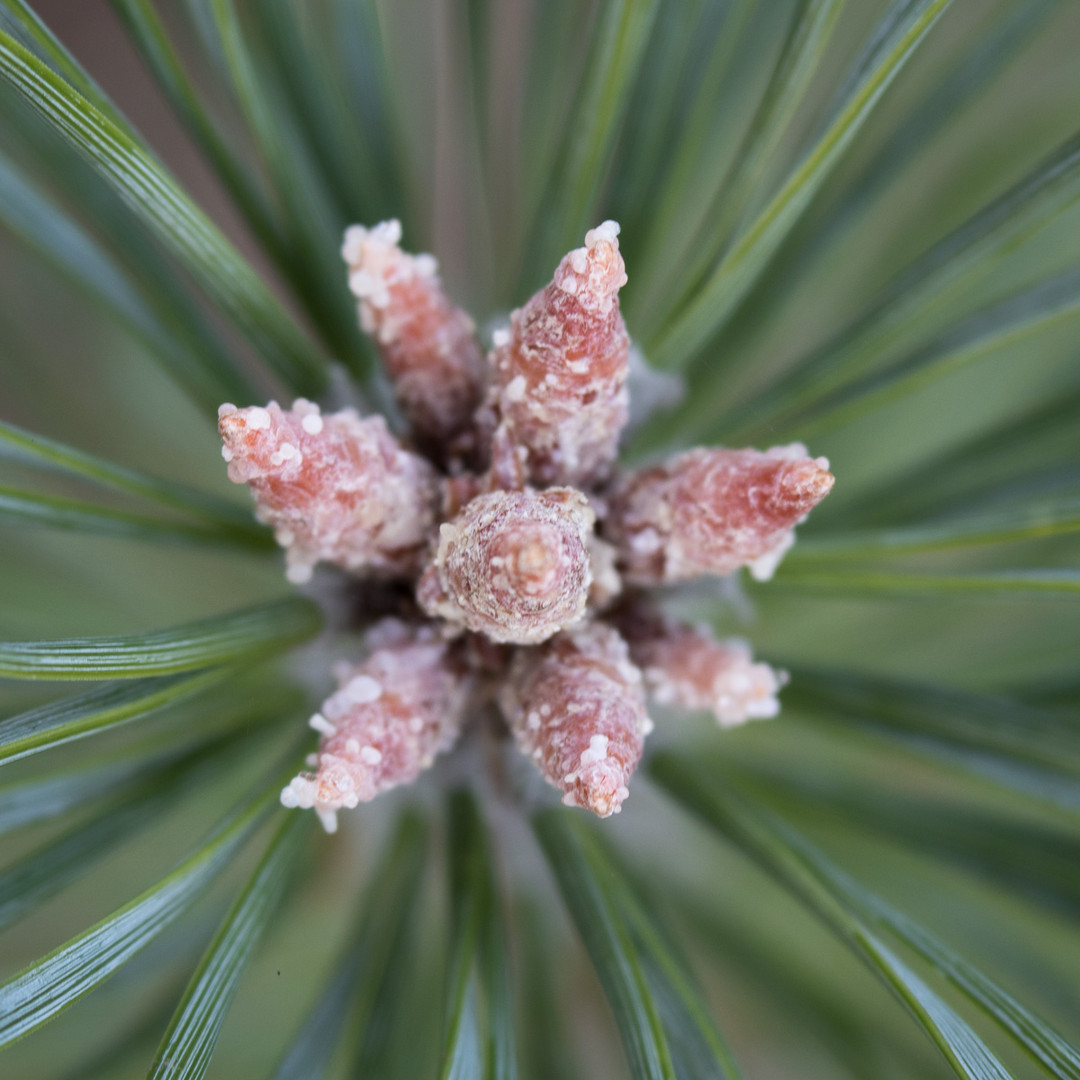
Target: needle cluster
528,551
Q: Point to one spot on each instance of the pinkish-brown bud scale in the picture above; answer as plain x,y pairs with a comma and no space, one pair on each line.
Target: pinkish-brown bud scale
427,345
389,718
559,373
712,511
577,707
686,666
335,488
513,565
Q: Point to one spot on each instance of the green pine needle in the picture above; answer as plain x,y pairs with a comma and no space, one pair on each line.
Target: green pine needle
854,225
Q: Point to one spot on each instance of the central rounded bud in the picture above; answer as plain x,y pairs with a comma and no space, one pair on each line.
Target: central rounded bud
513,565
527,560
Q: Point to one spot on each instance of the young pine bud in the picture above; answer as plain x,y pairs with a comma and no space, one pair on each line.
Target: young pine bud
335,488
559,373
710,511
391,715
577,708
427,344
686,666
513,565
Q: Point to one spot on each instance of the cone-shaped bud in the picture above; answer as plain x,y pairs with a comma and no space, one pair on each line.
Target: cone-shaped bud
686,666
576,706
391,715
712,511
335,488
513,565
559,373
427,345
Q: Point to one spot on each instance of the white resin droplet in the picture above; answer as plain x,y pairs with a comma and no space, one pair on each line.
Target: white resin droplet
363,690
258,419
319,723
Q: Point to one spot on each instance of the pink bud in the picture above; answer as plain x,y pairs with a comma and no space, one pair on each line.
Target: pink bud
712,511
389,718
427,344
686,666
335,488
513,565
576,707
559,375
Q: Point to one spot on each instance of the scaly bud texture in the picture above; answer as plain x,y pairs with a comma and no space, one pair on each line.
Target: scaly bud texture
686,666
559,373
427,344
713,511
515,557
335,488
389,718
577,707
513,565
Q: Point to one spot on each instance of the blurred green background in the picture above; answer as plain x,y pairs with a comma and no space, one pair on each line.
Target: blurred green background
902,788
